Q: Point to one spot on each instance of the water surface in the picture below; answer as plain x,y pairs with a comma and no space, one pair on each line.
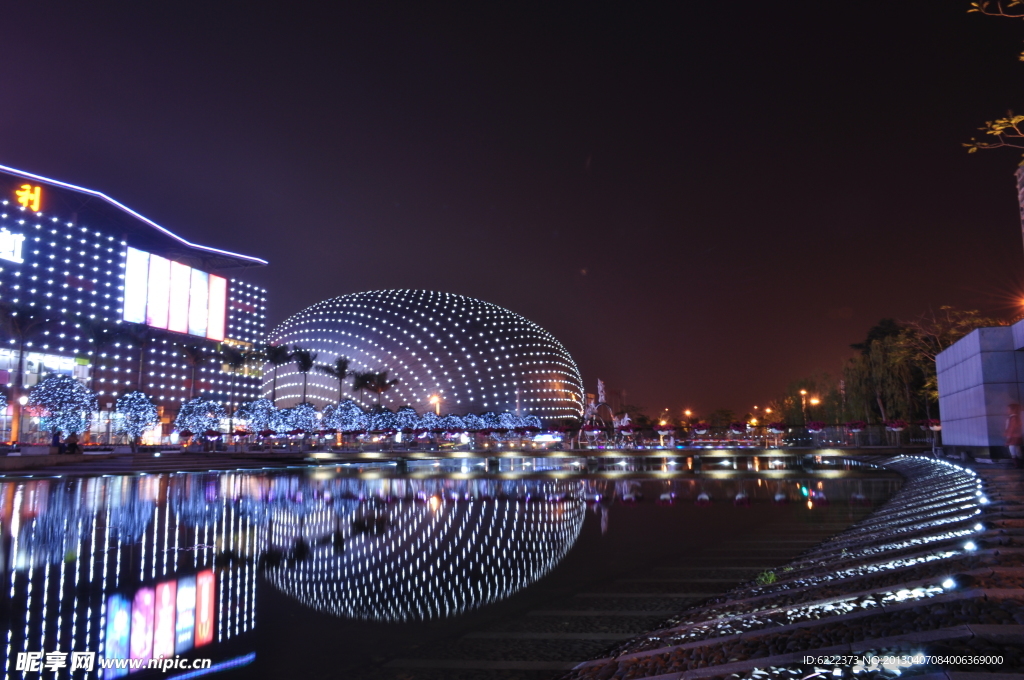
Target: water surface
272,573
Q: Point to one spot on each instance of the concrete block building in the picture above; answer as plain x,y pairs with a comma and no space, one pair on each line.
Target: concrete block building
979,376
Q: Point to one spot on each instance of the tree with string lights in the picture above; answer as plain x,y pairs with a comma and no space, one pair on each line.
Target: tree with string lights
259,414
198,416
66,405
138,414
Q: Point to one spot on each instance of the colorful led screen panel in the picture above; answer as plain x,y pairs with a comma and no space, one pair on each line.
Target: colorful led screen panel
198,303
159,294
163,629
181,281
119,623
185,623
141,645
136,282
206,597
218,308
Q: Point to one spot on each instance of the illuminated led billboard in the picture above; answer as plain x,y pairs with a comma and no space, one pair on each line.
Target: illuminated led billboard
173,296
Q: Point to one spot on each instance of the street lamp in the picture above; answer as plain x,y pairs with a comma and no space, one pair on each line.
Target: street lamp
803,404
436,401
23,399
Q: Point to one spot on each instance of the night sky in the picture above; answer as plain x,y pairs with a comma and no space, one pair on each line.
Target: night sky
702,201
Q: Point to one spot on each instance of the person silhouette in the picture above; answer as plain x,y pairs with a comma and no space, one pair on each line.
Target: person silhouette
1012,433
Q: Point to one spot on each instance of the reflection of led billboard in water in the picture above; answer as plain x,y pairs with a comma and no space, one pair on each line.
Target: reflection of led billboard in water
134,580
142,625
170,619
119,614
163,629
173,296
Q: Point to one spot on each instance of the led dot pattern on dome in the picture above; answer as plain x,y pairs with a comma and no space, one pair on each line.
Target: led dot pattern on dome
475,355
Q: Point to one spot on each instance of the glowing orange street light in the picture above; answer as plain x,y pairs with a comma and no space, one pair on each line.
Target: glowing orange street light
436,401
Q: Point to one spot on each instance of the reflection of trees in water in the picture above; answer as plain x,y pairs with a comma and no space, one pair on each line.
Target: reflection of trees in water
56,531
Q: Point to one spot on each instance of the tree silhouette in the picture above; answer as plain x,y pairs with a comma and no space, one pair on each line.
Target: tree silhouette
361,380
195,356
304,361
339,371
98,334
276,355
235,359
143,336
22,324
379,384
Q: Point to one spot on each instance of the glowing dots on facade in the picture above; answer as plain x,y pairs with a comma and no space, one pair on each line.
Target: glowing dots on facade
471,355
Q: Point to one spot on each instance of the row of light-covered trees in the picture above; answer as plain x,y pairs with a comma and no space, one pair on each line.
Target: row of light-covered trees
66,406
260,416
890,378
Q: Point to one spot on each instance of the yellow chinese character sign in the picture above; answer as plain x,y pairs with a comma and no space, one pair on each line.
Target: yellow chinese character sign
29,196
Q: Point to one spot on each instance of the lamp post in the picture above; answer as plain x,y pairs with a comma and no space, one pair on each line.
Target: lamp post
22,400
436,401
803,404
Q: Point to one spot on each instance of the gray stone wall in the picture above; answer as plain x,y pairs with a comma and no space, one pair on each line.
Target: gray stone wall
978,377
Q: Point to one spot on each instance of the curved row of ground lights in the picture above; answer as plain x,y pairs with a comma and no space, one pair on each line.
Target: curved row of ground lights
421,560
475,356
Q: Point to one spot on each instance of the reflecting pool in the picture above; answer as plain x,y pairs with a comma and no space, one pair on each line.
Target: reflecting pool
246,568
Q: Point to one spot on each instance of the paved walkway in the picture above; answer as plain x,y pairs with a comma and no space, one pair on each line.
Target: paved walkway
938,571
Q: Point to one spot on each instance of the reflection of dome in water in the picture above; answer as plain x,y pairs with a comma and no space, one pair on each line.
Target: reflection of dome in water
411,559
478,356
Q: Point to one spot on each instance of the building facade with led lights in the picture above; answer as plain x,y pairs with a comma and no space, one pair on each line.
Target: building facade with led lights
85,263
456,353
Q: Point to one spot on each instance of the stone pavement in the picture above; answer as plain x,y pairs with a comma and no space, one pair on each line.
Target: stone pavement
930,585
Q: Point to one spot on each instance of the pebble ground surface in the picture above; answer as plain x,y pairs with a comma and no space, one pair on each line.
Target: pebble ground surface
930,586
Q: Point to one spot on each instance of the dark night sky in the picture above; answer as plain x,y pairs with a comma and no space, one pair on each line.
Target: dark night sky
703,201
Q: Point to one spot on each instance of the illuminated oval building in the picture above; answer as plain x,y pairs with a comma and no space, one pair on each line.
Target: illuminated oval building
475,356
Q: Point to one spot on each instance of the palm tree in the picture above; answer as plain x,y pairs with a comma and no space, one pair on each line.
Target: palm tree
235,359
276,355
98,334
338,370
304,361
195,356
361,380
380,384
20,323
143,336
